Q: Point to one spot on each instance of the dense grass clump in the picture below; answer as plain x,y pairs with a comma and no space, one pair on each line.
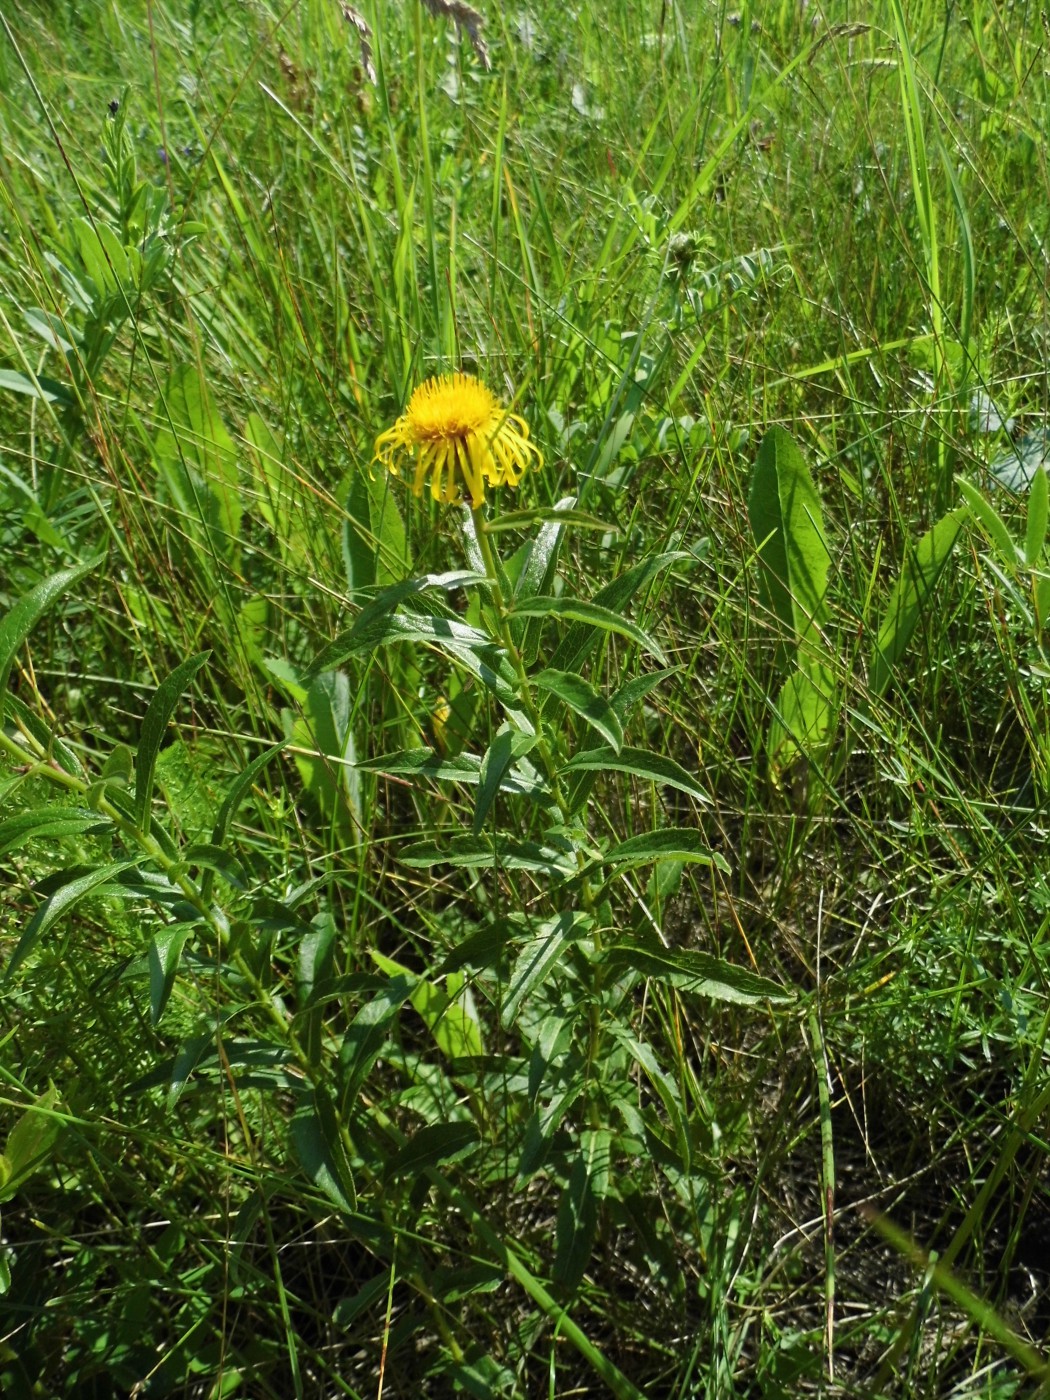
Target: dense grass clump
585,941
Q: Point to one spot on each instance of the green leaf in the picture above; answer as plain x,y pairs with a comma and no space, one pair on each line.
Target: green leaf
581,697
322,1155
29,1143
52,820
1038,509
329,773
164,955
366,1035
539,955
629,695
557,516
590,614
788,529
154,725
386,602
446,1013
21,619
471,852
911,594
374,540
654,767
50,744
576,1227
474,649
579,641
995,526
506,748
698,973
59,903
425,763
49,390
438,1142
674,844
804,721
197,458
236,792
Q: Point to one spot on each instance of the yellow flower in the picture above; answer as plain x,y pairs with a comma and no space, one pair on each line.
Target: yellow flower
461,437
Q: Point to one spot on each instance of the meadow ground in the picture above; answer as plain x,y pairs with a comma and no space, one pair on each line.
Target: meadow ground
589,941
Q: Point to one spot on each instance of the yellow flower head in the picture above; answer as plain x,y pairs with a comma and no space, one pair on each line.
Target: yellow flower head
460,437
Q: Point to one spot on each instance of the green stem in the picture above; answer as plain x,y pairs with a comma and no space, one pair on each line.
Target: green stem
39,765
505,637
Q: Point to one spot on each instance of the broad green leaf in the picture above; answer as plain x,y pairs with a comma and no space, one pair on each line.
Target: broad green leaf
154,725
216,860
197,458
447,1013
237,790
1041,598
386,601
472,852
506,748
581,638
49,390
375,549
366,1035
591,615
321,1152
474,649
911,595
29,1143
674,844
654,767
1038,508
698,973
995,526
438,1142
53,820
804,721
324,735
164,955
541,562
788,529
60,902
21,619
581,697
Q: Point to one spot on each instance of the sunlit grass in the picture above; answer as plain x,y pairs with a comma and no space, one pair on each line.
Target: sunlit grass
654,233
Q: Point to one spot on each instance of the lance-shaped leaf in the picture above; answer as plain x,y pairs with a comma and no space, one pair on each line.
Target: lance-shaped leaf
590,614
654,767
911,595
788,528
699,973
581,696
161,709
672,844
18,623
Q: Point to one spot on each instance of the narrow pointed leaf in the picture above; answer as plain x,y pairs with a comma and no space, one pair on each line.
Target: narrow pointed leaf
589,614
59,903
158,715
18,623
687,845
580,696
654,767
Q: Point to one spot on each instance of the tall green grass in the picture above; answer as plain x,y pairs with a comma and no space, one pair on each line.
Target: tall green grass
301,1096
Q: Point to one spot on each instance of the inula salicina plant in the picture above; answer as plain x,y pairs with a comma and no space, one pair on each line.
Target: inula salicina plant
523,702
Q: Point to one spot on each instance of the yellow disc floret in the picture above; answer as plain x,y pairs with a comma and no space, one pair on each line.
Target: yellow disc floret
460,437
